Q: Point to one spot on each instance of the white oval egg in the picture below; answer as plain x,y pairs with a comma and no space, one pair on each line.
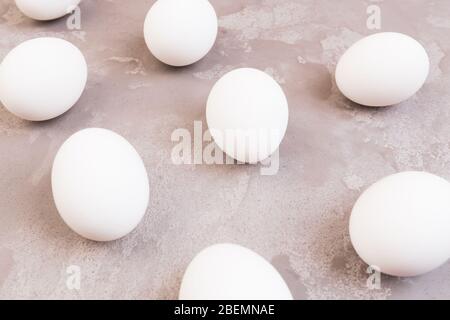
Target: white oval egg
100,185
180,32
42,78
232,272
401,224
247,114
46,9
382,69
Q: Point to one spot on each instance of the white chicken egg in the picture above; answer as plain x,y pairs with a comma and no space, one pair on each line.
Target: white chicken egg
180,32
247,114
46,9
232,272
100,185
382,69
401,224
42,78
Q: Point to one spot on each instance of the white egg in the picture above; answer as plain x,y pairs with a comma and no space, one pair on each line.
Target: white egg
100,185
401,224
180,32
247,114
42,78
232,272
382,69
46,9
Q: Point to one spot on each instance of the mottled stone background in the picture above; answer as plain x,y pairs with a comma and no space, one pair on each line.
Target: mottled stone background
296,219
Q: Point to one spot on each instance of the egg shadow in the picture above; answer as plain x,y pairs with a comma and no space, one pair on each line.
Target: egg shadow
282,264
332,248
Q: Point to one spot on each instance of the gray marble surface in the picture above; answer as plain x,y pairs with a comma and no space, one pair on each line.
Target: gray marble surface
297,219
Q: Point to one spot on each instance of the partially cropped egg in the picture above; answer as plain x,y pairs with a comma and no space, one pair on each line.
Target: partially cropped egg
382,69
401,224
232,272
180,32
46,9
100,185
42,78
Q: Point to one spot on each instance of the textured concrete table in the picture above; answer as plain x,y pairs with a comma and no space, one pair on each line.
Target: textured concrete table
296,219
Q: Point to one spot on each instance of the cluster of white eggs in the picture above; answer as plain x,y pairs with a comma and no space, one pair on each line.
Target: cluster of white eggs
100,185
